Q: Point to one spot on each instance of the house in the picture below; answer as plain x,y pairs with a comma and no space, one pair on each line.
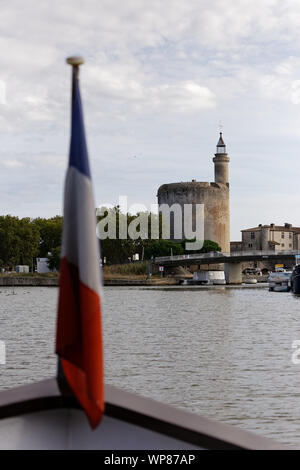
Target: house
271,238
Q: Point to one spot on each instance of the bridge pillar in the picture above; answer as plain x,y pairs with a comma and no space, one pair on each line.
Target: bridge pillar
233,273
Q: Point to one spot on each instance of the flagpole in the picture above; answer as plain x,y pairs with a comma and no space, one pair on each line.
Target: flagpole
75,62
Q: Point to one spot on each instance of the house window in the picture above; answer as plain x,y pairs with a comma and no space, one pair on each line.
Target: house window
282,244
290,245
282,234
290,235
250,245
252,236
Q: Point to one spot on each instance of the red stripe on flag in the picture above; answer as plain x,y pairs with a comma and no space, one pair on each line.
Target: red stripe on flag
79,341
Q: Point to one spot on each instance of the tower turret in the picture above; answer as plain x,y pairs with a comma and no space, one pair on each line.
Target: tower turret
221,161
214,198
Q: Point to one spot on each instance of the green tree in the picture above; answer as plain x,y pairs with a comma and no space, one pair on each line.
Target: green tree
50,234
117,250
30,236
208,246
10,241
163,248
54,259
18,241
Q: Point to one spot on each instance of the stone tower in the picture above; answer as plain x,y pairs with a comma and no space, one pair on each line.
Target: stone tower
214,196
221,161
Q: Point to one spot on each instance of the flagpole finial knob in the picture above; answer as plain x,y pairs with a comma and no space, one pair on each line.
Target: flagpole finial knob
75,60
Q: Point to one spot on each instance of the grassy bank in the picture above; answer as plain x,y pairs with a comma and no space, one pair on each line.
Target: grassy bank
125,271
29,275
116,271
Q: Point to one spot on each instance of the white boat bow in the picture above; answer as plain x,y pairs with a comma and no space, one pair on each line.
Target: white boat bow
37,416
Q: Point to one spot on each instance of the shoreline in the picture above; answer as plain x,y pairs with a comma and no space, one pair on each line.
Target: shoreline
43,281
19,281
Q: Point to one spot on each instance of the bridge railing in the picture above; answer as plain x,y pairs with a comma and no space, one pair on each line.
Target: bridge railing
189,257
216,254
265,253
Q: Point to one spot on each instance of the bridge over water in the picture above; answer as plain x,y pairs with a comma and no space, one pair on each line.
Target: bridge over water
235,257
233,261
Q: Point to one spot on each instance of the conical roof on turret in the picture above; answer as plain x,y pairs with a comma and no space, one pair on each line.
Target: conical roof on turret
221,142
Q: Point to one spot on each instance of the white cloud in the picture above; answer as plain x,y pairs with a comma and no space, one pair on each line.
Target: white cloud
158,78
127,83
128,46
283,84
184,97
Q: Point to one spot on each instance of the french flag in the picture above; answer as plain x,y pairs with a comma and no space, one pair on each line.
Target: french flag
79,337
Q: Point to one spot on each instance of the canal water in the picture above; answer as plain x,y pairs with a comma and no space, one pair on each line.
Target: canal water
223,353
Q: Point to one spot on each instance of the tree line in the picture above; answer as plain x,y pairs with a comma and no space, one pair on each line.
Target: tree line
22,240
120,250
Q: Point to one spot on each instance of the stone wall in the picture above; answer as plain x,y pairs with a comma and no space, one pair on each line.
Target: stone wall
214,196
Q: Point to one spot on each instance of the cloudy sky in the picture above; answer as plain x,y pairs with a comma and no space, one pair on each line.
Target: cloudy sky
159,78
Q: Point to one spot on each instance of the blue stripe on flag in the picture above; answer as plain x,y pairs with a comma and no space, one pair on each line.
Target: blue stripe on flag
78,149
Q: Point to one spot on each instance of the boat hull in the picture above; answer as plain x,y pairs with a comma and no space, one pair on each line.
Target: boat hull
37,416
295,280
280,281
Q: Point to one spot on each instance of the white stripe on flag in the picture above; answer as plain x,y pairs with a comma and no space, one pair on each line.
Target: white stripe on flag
80,244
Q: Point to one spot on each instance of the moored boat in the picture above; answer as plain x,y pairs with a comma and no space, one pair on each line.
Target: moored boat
206,278
280,281
295,280
250,281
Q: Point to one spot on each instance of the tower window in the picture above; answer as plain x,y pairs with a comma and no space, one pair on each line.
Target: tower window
252,235
221,149
282,234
